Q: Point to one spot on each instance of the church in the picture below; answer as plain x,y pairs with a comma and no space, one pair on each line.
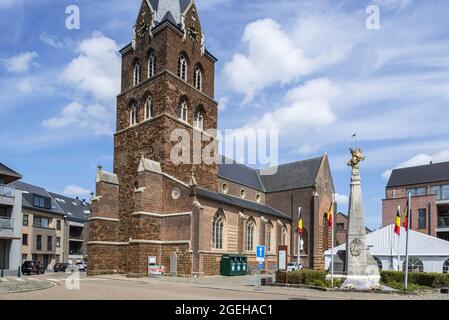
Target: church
189,215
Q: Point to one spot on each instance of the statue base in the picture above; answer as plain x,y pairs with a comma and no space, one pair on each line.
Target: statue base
368,282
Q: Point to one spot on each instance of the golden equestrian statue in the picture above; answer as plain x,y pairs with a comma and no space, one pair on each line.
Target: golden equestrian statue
357,157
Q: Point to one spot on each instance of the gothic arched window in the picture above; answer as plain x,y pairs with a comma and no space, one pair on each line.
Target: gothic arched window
268,234
199,120
137,71
198,78
151,65
218,230
182,67
183,111
250,228
149,113
415,264
133,115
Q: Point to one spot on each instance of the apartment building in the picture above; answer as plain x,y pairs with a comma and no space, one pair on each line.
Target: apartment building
42,226
76,227
429,186
10,221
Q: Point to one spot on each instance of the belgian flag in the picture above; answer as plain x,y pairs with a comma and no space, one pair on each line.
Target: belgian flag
397,226
330,215
300,226
406,226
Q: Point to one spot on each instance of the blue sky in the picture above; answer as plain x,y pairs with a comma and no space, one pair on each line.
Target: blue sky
309,68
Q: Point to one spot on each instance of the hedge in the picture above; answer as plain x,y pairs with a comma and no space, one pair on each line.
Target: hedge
305,277
431,280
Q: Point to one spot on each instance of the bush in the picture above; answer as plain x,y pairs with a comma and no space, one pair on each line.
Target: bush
420,279
305,277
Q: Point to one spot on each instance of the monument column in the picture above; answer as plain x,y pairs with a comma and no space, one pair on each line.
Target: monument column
362,269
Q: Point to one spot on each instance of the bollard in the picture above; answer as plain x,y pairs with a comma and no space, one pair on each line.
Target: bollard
18,272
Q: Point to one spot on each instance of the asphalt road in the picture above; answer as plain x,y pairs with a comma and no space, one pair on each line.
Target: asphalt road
220,288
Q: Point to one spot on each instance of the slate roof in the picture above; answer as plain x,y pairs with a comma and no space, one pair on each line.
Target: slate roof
29,191
8,174
421,174
169,9
240,203
239,173
289,176
293,175
75,210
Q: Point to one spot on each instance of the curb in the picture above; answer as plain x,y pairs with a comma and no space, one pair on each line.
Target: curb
50,285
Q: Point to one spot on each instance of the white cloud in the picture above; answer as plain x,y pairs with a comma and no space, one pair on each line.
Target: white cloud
94,119
305,107
75,191
20,63
96,71
341,199
419,160
53,41
276,56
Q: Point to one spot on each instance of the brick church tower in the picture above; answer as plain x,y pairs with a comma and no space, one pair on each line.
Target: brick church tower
167,87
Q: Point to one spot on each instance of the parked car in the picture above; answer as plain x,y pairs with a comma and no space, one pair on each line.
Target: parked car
61,267
294,266
29,267
81,266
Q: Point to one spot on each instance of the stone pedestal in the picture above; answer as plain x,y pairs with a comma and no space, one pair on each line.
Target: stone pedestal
361,268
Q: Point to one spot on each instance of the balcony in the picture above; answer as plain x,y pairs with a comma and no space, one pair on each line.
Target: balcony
7,195
443,222
6,223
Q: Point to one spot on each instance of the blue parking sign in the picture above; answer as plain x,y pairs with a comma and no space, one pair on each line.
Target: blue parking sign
260,265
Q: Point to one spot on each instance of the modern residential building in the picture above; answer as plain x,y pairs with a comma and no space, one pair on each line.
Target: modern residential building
42,226
429,186
76,227
10,220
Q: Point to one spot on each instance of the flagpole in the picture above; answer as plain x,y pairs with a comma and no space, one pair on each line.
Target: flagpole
399,241
407,239
332,251
299,238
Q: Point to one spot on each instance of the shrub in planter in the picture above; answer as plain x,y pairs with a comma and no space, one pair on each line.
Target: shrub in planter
432,280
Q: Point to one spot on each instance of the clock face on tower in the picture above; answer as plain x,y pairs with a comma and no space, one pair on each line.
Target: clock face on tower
193,34
143,28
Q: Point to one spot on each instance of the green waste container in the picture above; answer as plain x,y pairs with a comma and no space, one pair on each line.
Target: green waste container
244,266
233,265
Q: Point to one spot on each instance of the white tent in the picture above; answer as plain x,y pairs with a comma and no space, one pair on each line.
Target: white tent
426,253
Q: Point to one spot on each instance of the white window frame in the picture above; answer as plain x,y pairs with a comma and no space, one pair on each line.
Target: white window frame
249,241
183,112
198,79
151,65
137,73
149,108
199,120
182,67
218,232
133,115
